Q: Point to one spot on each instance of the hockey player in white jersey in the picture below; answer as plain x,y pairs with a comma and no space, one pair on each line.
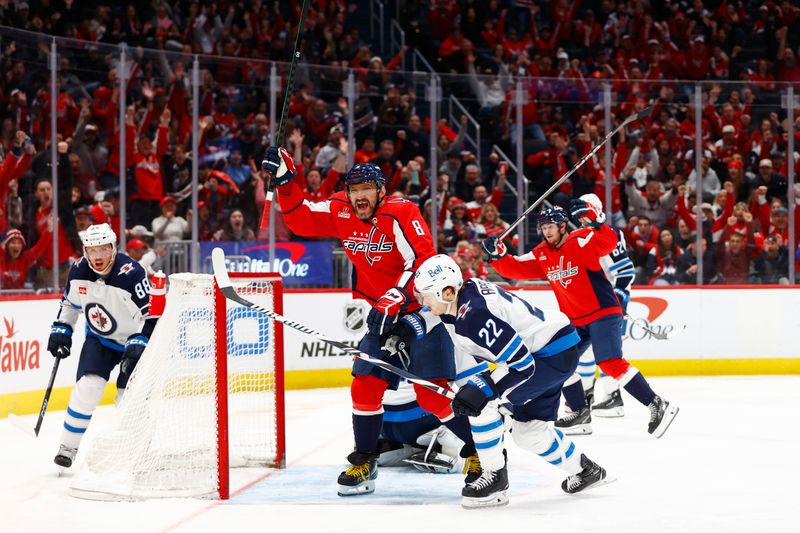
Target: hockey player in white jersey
604,400
111,290
535,352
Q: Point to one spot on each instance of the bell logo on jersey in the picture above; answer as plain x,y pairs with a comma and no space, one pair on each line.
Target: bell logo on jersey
99,319
561,274
362,242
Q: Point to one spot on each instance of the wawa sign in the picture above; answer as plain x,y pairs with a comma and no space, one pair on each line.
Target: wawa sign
18,351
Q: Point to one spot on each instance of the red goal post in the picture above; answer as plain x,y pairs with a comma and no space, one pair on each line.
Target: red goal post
207,395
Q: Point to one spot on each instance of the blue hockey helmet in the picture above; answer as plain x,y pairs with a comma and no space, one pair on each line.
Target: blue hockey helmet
552,215
365,173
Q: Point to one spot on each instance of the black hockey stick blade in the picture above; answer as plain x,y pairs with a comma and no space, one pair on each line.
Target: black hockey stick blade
20,424
227,290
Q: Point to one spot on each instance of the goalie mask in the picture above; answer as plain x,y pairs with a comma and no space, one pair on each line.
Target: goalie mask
433,277
99,247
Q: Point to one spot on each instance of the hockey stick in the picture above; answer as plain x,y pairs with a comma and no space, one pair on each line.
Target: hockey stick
269,185
632,118
18,422
658,335
225,286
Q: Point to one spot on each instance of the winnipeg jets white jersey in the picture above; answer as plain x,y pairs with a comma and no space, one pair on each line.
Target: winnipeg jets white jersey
115,306
618,266
498,326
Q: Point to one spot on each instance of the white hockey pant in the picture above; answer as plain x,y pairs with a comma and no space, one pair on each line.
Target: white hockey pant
548,443
82,402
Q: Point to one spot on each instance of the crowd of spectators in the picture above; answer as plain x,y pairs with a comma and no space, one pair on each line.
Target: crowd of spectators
565,53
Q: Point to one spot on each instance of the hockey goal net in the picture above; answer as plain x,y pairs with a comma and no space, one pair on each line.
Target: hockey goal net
206,395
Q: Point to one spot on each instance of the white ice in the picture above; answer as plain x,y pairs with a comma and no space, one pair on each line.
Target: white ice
728,463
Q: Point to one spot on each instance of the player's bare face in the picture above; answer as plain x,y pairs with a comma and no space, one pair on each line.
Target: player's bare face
551,233
364,198
436,306
100,257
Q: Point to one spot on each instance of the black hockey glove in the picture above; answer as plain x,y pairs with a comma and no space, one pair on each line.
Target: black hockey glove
584,213
383,314
493,248
60,342
133,351
409,328
279,164
473,397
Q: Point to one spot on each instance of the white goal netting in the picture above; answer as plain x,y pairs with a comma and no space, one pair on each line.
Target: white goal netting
165,441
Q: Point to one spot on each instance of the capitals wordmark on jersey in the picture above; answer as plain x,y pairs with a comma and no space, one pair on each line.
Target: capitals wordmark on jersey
385,250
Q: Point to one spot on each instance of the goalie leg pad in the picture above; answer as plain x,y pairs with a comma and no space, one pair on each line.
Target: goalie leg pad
82,402
487,431
548,443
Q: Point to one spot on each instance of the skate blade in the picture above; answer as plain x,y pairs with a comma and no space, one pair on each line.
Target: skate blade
614,412
498,499
583,429
367,487
605,481
669,416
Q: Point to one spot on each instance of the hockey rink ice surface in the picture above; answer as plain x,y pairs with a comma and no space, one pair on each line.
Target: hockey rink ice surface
728,463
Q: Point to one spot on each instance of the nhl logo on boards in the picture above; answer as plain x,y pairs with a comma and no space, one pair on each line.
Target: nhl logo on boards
99,319
354,317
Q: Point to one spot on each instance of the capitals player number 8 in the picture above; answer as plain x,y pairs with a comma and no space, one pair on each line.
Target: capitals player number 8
142,289
490,332
418,227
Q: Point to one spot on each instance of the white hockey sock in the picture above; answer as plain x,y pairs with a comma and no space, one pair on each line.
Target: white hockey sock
548,443
586,369
487,432
82,402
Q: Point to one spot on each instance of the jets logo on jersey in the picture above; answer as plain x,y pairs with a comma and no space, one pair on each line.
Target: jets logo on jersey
561,273
462,311
362,242
99,319
127,267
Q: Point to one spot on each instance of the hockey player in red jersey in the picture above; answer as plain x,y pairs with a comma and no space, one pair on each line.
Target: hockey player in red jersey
571,263
386,239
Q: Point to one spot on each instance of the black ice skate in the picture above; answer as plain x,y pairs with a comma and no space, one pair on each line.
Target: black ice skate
593,475
576,422
360,477
611,407
661,416
489,490
65,456
472,464
589,394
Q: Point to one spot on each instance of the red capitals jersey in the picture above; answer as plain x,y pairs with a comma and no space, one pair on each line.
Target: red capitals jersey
385,251
583,292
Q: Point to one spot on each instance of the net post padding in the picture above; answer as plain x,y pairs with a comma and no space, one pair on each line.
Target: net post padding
164,440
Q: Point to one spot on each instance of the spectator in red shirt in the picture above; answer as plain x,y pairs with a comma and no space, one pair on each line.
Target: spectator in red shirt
734,251
147,172
642,237
15,261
